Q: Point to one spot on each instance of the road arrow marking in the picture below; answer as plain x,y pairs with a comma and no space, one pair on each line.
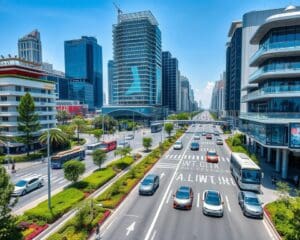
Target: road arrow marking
130,228
162,175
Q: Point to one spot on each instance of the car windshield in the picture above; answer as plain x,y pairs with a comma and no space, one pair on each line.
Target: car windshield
219,139
21,183
178,142
147,181
103,145
183,195
251,176
194,144
213,199
212,154
252,201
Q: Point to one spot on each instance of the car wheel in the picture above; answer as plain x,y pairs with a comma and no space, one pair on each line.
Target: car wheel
24,192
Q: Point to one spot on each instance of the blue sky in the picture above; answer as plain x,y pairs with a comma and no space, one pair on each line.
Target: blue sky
194,31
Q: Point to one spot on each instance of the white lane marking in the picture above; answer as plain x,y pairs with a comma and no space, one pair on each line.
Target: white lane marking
185,156
228,205
167,156
130,228
268,229
189,157
227,159
202,158
198,200
169,196
162,175
222,159
179,156
165,195
193,157
197,157
153,236
175,156
171,156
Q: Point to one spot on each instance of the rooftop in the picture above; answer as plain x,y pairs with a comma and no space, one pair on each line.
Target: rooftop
124,17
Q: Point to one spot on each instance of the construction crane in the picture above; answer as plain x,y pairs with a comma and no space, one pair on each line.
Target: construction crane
119,11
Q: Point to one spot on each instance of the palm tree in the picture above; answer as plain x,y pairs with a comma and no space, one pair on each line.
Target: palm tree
62,116
80,124
123,151
57,138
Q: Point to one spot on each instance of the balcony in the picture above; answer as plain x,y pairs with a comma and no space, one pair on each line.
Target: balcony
15,123
15,113
270,92
273,50
274,117
265,73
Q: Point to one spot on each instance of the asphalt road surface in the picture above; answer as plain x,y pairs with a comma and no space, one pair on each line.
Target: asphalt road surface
153,217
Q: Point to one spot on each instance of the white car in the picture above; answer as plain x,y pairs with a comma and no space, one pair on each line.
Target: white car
123,144
129,137
178,145
27,185
197,136
212,203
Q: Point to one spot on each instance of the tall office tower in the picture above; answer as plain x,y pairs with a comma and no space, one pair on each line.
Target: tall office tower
110,79
185,94
233,73
83,63
270,81
170,82
137,64
218,97
30,47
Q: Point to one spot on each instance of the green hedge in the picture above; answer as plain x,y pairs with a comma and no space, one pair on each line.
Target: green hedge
61,203
285,214
235,144
122,163
23,157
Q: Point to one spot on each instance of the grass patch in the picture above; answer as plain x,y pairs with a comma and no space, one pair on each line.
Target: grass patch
61,203
285,214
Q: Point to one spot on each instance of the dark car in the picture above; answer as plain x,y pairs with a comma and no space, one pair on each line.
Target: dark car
183,198
149,185
208,136
194,146
250,204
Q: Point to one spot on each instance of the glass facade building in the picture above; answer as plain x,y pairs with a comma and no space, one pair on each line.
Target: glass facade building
170,82
110,79
137,60
82,90
83,60
233,72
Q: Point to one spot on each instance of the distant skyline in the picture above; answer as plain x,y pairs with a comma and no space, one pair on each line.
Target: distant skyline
195,32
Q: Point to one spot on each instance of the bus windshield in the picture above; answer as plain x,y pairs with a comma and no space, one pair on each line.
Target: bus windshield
251,176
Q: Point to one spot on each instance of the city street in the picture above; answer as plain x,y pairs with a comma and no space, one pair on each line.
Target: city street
57,177
153,217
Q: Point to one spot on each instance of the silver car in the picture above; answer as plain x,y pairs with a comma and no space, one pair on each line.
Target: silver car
27,185
250,204
129,137
212,203
178,145
123,144
149,185
183,198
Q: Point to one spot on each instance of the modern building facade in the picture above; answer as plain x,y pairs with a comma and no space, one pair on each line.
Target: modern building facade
218,97
83,62
170,82
81,90
185,89
16,78
73,107
110,79
137,80
233,73
271,99
30,47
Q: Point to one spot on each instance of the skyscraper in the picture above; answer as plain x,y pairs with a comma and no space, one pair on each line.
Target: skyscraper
83,61
185,94
30,47
110,79
233,72
137,66
170,82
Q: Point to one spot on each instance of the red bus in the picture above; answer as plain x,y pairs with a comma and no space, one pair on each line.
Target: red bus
108,146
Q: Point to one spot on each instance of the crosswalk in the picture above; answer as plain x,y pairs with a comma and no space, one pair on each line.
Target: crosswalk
193,157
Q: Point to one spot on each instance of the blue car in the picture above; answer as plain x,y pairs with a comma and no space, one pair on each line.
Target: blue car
195,146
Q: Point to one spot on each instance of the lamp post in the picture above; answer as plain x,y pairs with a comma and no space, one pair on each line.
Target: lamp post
49,170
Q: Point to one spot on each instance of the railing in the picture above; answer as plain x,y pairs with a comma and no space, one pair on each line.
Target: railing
271,115
272,90
284,46
262,71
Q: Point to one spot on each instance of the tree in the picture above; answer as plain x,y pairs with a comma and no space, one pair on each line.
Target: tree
147,143
79,123
8,225
99,157
58,139
108,122
69,130
28,120
97,134
283,190
169,128
123,151
62,116
73,169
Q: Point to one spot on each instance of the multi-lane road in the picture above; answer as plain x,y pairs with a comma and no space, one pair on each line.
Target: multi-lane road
153,217
57,177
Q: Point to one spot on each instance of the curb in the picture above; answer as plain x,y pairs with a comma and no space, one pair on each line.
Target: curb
271,225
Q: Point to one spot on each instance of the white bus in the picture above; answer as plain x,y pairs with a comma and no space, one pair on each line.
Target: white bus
246,172
91,147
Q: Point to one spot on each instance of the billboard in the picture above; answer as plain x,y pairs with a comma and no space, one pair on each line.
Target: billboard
294,135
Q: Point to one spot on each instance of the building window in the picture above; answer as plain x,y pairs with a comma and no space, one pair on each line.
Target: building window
18,88
4,109
3,98
18,99
5,119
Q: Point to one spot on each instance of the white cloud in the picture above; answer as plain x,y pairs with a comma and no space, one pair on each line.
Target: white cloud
204,94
